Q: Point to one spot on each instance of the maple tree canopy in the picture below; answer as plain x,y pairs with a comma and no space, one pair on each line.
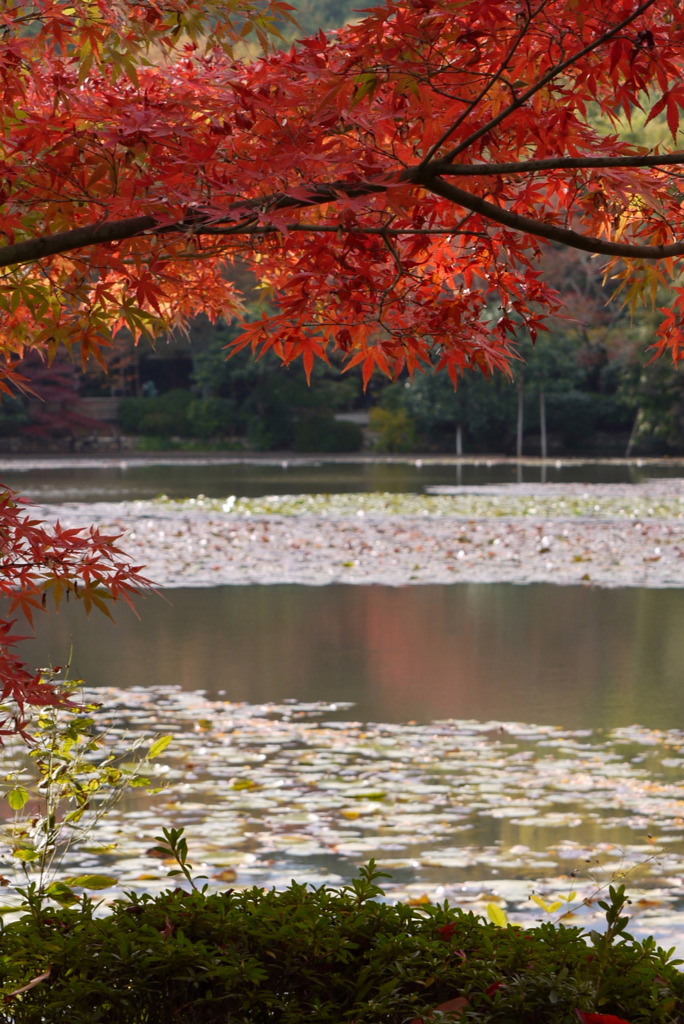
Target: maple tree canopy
389,184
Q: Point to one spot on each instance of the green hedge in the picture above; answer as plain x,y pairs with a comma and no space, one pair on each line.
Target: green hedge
177,413
322,956
321,432
212,417
162,416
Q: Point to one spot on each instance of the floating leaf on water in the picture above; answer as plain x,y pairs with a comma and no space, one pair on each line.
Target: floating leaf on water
228,875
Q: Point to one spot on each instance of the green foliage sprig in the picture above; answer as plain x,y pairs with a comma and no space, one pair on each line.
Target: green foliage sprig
61,787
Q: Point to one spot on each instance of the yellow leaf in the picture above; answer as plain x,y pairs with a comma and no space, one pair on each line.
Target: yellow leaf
159,746
18,797
246,784
92,881
497,916
26,855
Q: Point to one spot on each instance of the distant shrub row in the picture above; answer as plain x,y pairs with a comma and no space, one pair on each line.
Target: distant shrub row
179,414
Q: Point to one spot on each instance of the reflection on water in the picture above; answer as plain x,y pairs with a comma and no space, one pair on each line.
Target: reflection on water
569,656
128,479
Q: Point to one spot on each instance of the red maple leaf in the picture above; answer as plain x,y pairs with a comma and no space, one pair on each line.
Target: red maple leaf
599,1018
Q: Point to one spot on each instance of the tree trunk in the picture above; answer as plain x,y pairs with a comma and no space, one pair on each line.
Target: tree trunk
633,434
542,422
519,434
459,439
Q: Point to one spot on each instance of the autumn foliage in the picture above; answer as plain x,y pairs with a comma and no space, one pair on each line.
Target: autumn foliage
37,564
390,184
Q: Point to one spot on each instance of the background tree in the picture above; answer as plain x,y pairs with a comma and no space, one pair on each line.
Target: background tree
476,416
269,404
54,398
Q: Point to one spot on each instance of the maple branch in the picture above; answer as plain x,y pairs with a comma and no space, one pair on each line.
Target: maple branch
429,177
445,167
397,277
554,232
335,229
33,249
435,148
552,73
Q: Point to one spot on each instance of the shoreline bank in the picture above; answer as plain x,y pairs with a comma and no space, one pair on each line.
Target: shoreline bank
49,460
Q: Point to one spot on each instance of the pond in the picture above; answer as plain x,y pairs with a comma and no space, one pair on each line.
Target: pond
58,479
478,741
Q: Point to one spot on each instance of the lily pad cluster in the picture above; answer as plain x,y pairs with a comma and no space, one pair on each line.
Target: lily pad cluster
476,812
659,499
597,535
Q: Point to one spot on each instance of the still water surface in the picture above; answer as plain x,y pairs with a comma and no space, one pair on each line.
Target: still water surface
128,479
570,656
